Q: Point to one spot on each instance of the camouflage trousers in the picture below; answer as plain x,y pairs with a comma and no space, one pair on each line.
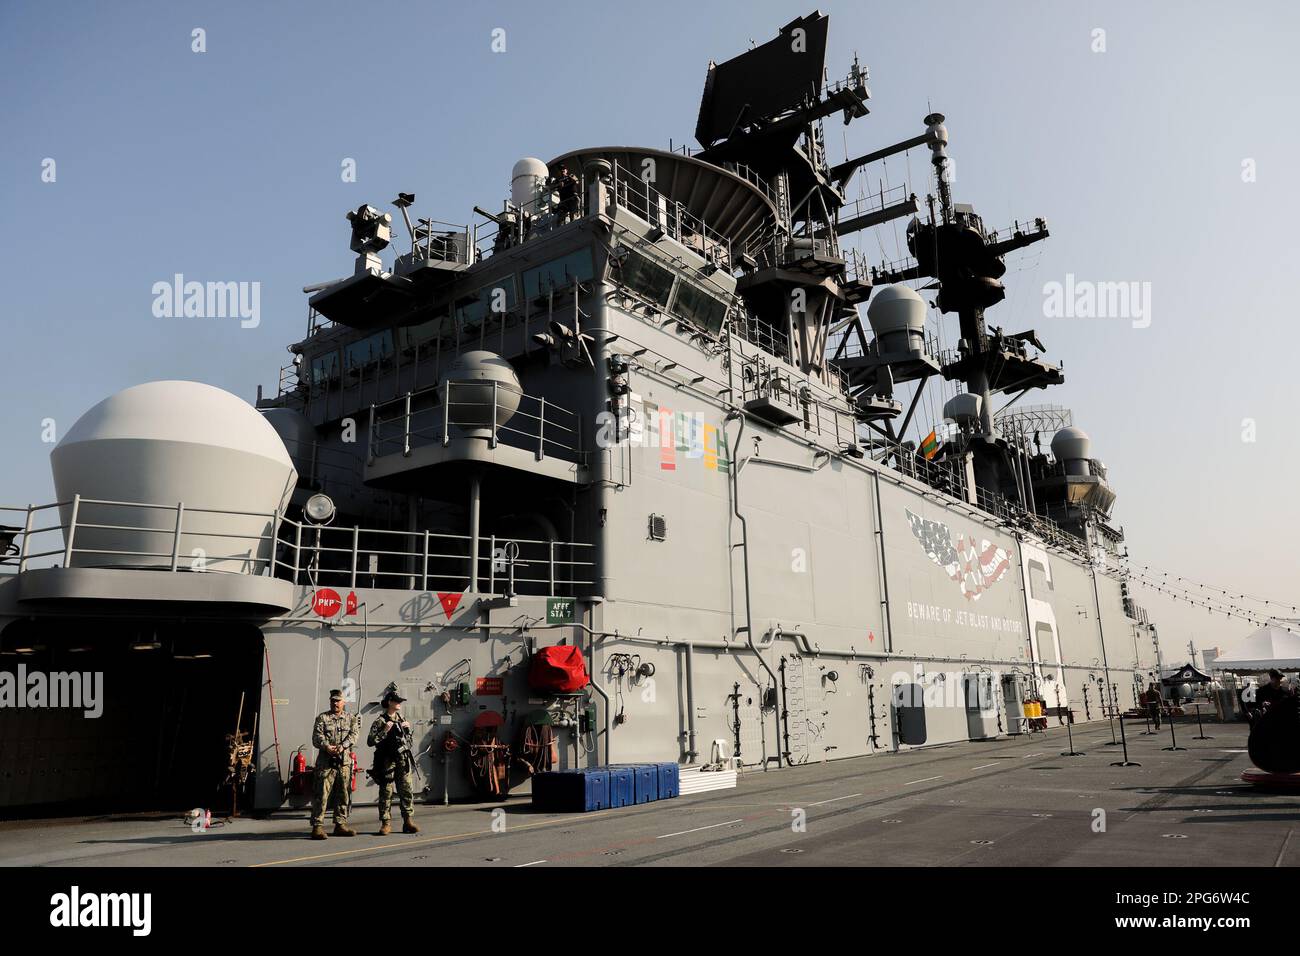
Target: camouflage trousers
395,776
333,789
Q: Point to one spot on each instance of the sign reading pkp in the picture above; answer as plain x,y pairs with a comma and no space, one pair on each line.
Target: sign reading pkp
326,602
559,610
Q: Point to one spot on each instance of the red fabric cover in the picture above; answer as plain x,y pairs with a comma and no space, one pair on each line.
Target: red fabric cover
558,670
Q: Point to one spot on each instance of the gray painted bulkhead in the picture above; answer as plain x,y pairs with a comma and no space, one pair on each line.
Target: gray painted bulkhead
822,599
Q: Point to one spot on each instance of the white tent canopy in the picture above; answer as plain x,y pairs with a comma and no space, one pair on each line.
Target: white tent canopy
1269,647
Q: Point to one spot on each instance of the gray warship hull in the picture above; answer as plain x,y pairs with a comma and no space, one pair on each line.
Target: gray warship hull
839,582
578,423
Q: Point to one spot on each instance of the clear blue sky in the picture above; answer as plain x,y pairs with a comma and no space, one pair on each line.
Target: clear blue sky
225,166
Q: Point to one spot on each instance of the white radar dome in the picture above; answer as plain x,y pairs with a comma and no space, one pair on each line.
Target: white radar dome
897,317
168,444
526,180
469,383
1070,443
1072,448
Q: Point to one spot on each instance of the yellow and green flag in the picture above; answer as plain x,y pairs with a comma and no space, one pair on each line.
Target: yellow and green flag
930,447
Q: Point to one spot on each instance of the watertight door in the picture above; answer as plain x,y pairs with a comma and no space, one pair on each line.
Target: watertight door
981,708
909,714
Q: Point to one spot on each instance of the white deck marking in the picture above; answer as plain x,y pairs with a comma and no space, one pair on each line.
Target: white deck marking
1027,756
922,780
712,826
835,799
983,765
1282,850
534,863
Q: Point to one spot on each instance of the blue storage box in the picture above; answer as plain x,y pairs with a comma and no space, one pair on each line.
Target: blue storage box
645,782
622,786
572,791
670,780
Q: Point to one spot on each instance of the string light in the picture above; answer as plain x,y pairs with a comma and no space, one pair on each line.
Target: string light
1165,586
1294,608
1230,611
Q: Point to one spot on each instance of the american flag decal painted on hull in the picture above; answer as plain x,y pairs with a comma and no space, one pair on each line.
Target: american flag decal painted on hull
975,566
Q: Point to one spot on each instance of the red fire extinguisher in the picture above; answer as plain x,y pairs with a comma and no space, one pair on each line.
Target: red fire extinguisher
299,778
354,771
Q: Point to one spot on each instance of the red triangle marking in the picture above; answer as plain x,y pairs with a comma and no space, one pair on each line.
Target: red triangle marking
871,636
449,602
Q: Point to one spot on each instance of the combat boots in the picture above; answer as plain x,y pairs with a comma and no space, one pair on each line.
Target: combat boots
384,828
318,833
408,825
342,829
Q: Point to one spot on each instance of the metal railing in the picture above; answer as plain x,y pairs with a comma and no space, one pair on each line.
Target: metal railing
302,553
453,244
316,322
873,203
886,270
856,267
853,347
515,225
949,478
1017,230
170,528
646,203
751,177
428,560
941,475
769,338
485,411
290,380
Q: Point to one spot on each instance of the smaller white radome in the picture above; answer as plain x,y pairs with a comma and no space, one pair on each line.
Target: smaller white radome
1071,444
473,374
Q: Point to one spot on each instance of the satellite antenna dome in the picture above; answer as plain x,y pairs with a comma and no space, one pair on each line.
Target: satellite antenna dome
964,409
897,317
169,443
1071,444
1072,447
468,386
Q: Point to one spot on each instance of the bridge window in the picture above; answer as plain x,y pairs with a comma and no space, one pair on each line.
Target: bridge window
498,295
559,274
325,368
368,350
646,278
699,308
425,331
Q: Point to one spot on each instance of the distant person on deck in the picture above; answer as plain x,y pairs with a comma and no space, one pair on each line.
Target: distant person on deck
1274,691
1151,700
566,184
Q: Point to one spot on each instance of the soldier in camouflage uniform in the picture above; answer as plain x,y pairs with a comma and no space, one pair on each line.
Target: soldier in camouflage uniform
334,736
390,735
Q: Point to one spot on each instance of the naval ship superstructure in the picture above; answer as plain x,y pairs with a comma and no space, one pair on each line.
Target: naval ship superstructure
637,411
